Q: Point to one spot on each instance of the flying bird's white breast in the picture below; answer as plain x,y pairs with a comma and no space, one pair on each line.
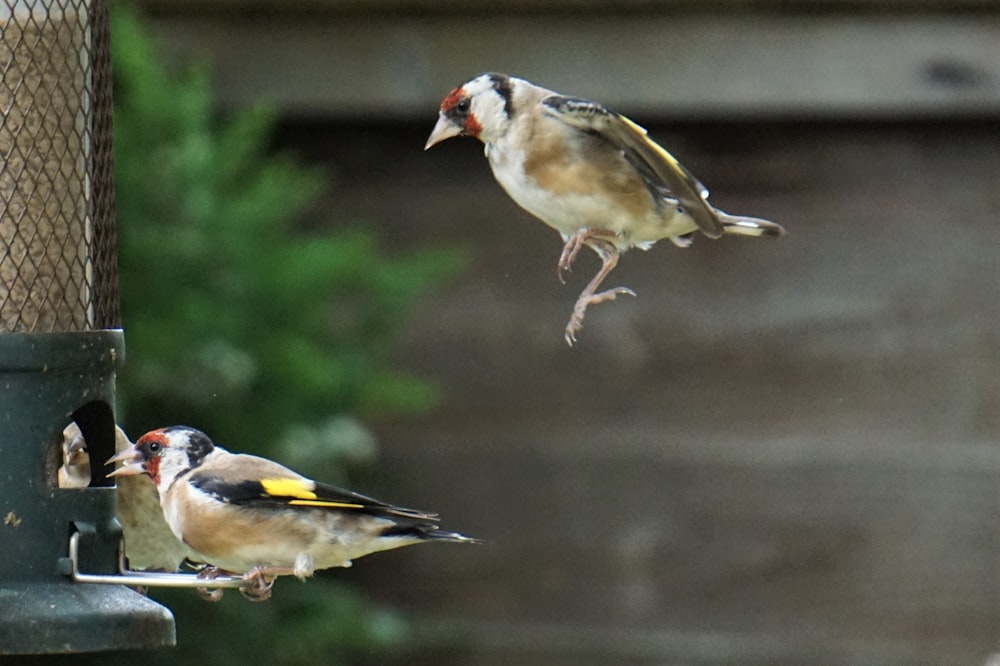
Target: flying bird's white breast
554,176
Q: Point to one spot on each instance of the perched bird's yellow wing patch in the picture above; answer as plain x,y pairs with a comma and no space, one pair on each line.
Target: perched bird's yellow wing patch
291,491
299,492
292,488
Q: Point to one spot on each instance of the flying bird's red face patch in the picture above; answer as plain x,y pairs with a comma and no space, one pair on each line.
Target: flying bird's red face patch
472,126
456,106
453,98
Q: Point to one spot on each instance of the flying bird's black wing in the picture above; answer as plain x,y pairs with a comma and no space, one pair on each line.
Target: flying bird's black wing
661,170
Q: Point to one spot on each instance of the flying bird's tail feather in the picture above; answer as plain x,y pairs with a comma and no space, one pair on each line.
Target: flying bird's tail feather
750,226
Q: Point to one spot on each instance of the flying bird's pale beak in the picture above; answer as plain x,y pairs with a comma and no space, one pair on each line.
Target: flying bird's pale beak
132,463
444,129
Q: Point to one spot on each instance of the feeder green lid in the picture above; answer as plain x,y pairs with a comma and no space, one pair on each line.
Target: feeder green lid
46,381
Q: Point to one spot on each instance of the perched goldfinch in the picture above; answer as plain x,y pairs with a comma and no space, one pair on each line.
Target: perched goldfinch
591,174
149,543
244,514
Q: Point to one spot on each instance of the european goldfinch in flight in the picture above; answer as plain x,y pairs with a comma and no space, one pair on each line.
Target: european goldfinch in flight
591,174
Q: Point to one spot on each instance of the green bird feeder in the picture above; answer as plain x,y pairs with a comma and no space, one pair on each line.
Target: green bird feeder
60,343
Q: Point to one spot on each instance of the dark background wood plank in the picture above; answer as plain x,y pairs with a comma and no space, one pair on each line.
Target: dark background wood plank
780,452
680,64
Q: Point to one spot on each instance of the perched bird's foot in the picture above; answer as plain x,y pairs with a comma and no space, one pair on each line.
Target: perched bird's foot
208,594
261,581
209,573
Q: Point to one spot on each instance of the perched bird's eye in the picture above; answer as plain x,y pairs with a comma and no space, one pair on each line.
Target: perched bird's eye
463,105
154,447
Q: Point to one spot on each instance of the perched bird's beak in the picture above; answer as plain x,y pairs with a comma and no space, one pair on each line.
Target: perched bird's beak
132,460
444,129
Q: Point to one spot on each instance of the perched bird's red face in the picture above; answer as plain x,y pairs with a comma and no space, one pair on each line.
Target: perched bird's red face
164,454
143,458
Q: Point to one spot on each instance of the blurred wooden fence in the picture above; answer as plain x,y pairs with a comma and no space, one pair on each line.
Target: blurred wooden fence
780,452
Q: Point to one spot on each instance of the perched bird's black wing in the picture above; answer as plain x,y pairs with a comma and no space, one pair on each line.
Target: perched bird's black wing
661,171
295,491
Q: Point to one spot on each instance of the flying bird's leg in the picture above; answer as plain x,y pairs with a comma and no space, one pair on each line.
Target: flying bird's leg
570,250
609,254
577,241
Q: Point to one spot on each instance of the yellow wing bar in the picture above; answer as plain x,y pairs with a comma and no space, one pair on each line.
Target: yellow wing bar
301,492
326,504
297,488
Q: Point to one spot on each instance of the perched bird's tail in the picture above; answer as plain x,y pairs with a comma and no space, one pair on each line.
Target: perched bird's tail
749,226
426,532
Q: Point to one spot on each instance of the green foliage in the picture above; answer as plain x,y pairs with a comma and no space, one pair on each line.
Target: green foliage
236,321
270,339
303,624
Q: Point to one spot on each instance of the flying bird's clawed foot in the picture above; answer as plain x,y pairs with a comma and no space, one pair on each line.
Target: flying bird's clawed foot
575,322
606,249
610,295
580,309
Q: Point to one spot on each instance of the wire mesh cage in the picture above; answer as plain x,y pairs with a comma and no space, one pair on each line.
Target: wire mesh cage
58,298
57,233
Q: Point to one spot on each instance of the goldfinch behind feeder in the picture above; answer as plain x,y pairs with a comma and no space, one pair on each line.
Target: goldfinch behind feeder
75,469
